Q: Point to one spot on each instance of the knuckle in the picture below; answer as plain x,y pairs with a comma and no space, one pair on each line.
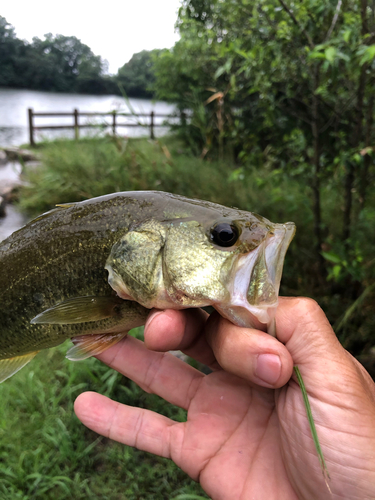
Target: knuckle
308,306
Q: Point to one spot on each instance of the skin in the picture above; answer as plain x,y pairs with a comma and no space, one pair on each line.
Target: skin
246,434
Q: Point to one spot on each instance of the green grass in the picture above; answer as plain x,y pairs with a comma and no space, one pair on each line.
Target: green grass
74,171
46,453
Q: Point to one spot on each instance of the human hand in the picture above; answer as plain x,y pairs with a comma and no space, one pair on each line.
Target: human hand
247,433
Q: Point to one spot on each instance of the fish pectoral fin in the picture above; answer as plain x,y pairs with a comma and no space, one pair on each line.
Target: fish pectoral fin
79,310
10,366
92,345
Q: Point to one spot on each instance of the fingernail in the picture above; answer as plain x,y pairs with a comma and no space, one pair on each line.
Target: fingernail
268,368
152,316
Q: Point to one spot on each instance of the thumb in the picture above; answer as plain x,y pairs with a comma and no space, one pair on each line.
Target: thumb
304,329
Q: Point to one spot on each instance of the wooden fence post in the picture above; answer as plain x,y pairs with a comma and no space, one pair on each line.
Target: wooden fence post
76,127
114,123
152,135
31,127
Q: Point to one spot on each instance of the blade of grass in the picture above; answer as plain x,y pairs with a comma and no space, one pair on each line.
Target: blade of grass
314,433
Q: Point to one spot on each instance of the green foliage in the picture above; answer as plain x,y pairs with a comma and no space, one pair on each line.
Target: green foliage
265,57
136,77
10,49
64,64
58,63
295,85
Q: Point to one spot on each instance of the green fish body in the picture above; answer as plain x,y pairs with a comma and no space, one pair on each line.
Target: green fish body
92,270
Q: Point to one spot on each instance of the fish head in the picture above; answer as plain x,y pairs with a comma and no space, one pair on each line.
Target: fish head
206,255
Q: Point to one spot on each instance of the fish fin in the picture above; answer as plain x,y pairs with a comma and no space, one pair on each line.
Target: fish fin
79,310
92,345
10,366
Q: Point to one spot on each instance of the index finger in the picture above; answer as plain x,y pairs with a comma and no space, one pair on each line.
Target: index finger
155,372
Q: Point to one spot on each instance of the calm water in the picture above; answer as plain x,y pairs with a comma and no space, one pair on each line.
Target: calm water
13,221
14,120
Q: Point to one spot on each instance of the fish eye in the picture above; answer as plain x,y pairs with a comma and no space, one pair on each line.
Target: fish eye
224,234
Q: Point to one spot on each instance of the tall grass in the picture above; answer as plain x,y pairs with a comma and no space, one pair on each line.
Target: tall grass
46,453
73,171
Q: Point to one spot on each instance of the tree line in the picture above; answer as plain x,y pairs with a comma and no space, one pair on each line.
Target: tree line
64,64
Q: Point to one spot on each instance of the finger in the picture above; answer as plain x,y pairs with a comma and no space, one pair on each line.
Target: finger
250,354
306,332
180,330
324,363
155,372
142,429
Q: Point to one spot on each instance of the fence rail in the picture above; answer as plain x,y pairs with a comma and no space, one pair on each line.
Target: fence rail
76,125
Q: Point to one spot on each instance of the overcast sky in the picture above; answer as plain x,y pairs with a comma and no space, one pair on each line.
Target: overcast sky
113,29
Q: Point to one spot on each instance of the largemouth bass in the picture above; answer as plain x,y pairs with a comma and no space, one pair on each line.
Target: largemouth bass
92,270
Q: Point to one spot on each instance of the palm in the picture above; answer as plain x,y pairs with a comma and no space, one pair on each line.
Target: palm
233,427
239,443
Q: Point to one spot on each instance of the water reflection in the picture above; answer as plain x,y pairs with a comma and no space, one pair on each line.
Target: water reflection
14,220
9,173
13,136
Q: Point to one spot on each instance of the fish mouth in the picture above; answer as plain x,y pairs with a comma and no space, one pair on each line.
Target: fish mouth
256,280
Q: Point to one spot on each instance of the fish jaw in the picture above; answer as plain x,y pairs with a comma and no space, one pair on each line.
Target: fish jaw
255,281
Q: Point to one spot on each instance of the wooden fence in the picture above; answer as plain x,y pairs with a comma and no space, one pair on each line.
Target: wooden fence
76,125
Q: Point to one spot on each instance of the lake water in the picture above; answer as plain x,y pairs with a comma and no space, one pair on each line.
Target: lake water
14,118
13,221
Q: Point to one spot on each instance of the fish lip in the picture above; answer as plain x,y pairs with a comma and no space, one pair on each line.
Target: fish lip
277,246
248,307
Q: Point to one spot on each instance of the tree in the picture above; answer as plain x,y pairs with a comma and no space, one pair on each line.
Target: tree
10,50
58,63
65,63
137,76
